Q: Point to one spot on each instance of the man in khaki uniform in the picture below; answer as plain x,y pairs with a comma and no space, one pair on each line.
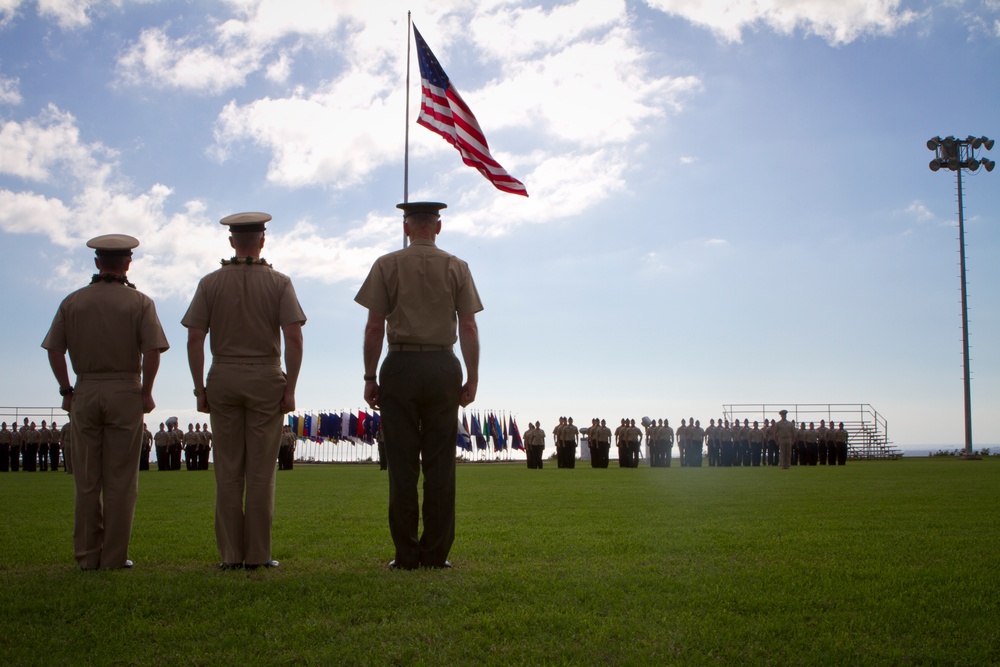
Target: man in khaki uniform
785,433
4,448
191,442
147,446
245,307
54,446
66,440
206,437
16,442
602,444
537,447
114,340
44,440
416,297
29,446
161,441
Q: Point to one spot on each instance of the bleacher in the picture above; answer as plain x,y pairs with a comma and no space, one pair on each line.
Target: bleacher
868,438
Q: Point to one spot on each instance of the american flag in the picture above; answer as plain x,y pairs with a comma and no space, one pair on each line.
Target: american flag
443,111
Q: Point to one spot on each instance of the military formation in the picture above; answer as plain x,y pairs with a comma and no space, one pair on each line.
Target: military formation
32,448
724,443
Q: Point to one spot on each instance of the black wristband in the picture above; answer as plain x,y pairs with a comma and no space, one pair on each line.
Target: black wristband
65,391
369,378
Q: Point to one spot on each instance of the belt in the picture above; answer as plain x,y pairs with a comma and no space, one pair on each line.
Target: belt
108,376
253,361
408,347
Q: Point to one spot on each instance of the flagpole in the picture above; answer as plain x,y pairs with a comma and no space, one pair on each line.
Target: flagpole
406,149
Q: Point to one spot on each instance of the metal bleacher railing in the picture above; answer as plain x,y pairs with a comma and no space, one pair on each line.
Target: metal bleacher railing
869,433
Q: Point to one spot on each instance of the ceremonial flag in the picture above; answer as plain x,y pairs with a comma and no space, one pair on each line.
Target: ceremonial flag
477,433
444,112
345,425
515,436
464,440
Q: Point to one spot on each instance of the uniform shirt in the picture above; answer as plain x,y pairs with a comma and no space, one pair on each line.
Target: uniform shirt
667,434
147,438
64,436
570,433
106,328
785,432
244,306
633,434
4,437
191,438
422,291
162,438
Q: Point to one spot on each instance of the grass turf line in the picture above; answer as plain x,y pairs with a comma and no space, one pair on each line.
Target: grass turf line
872,563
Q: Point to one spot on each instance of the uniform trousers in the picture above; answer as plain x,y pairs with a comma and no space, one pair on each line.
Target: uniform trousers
144,459
29,456
54,456
67,459
785,454
191,457
162,458
534,453
245,408
15,458
106,424
419,394
5,458
43,456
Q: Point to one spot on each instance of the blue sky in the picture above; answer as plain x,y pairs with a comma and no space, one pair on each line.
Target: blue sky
730,201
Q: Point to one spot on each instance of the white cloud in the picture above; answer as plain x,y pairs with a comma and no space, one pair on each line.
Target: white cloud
176,249
837,21
157,60
68,14
10,92
34,150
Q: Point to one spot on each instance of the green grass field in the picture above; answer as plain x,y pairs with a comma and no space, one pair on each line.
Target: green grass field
873,563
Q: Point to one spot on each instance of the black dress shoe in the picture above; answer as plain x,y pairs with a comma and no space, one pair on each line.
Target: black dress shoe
230,566
446,566
270,563
393,565
127,566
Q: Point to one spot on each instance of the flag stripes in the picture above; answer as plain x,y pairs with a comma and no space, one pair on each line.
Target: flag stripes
444,112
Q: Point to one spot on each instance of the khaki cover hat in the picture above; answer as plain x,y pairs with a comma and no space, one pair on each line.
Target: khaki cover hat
113,245
432,207
246,222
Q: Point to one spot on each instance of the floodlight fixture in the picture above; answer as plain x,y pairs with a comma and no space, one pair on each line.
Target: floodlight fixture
958,155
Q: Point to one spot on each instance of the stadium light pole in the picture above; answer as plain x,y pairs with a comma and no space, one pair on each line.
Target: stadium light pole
958,155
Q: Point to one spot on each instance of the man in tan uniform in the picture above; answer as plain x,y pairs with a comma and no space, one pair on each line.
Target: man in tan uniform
147,446
245,307
161,441
416,297
191,442
114,340
785,434
66,440
4,448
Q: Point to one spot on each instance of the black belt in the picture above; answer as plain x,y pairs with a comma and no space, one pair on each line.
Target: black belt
413,347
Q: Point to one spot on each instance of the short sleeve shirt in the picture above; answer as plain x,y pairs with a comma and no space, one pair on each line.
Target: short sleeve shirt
243,307
106,328
422,291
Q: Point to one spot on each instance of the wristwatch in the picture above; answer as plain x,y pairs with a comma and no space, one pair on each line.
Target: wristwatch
65,391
